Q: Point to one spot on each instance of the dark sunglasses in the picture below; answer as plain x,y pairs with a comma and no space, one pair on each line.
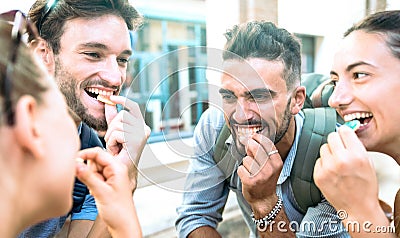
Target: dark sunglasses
20,26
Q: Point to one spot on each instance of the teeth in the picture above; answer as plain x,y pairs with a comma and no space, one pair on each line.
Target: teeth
245,131
100,92
357,115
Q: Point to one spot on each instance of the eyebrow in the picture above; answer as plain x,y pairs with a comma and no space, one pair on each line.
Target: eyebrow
352,66
225,91
261,91
101,46
249,93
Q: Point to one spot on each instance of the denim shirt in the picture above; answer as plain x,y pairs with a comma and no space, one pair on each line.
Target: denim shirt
206,191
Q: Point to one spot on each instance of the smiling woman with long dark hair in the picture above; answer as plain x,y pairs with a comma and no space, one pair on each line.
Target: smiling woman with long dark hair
366,74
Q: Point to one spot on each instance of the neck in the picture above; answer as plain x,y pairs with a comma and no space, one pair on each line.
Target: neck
13,199
287,140
10,216
11,223
390,149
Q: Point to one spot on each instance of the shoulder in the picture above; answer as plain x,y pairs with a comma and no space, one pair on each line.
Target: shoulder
209,126
212,119
214,116
47,228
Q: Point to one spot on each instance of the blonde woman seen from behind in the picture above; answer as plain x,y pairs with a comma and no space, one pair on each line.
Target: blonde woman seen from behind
37,170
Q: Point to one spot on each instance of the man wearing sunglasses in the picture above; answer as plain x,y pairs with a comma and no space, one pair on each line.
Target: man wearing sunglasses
86,46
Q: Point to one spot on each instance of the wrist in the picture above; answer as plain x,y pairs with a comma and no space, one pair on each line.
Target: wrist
261,208
264,222
377,219
364,213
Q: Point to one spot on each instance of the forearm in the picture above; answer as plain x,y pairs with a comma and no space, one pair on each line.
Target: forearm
204,232
128,225
99,229
127,229
79,228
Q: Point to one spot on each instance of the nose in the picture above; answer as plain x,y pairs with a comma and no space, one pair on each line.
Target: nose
342,95
112,72
243,111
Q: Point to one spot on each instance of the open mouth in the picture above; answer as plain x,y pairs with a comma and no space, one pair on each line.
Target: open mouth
100,94
247,131
363,117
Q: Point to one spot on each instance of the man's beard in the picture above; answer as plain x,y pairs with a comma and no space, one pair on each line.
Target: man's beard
278,135
68,86
285,124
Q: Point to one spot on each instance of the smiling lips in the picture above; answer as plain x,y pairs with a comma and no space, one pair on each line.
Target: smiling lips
363,117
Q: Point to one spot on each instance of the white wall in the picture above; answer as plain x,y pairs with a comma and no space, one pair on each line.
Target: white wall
327,19
23,5
392,4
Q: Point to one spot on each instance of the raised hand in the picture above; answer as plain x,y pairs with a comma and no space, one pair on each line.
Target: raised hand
126,135
346,176
108,182
260,171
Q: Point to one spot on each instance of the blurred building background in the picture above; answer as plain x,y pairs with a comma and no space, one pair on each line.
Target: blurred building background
170,79
172,83
167,80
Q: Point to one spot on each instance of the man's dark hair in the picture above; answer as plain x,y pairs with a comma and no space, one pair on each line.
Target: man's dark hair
50,18
386,23
261,39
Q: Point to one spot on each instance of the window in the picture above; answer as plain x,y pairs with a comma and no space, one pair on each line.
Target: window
307,53
167,77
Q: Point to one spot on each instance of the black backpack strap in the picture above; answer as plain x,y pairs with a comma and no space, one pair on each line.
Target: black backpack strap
89,139
318,123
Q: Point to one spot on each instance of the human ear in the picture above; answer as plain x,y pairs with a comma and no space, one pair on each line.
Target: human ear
298,98
27,127
41,48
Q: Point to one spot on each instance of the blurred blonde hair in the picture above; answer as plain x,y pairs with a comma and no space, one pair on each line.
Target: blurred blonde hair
29,77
